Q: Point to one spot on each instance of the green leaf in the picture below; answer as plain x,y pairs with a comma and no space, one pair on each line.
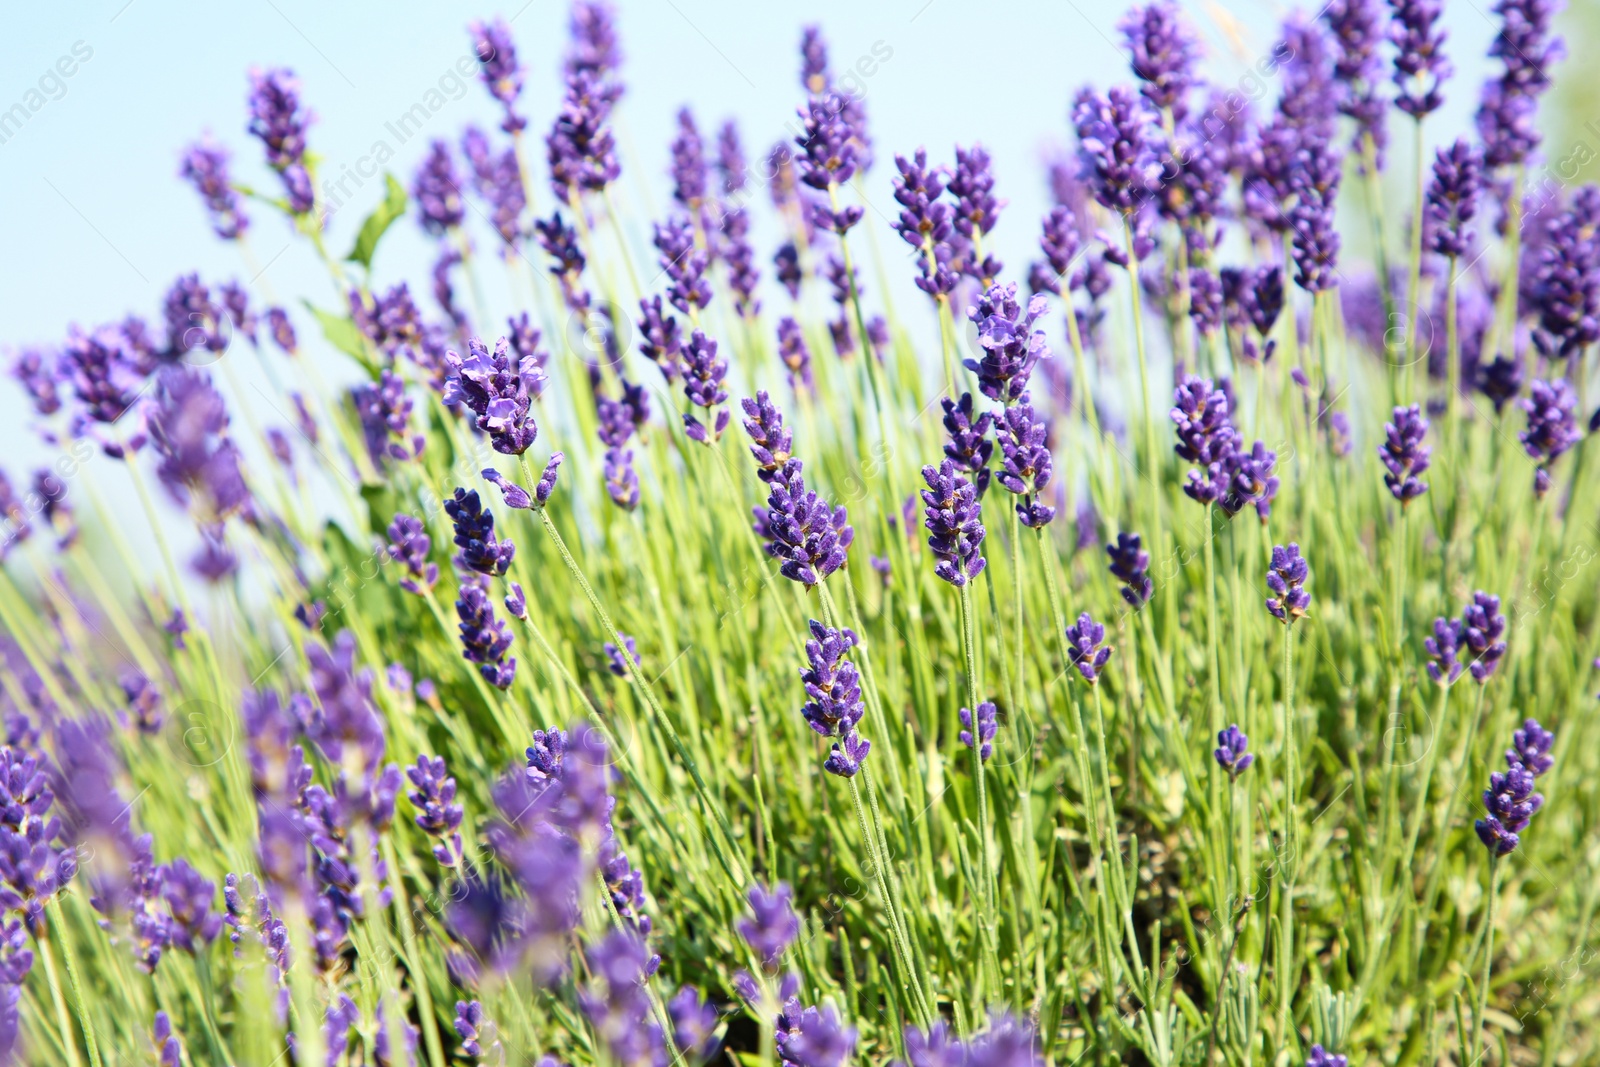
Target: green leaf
342,334
375,224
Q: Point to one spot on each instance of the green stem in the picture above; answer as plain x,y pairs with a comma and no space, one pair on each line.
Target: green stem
67,957
63,1020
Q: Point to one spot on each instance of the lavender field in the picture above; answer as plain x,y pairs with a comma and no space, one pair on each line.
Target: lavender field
1181,648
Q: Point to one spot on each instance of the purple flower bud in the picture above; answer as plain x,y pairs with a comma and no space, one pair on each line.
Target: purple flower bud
969,446
385,414
1320,1057
1162,54
1452,198
474,535
437,191
614,659
497,64
684,264
772,442
694,1024
484,638
409,544
1444,666
690,174
1117,140
497,178
1563,288
1025,461
1511,804
1233,752
1286,577
1531,748
580,148
800,528
828,149
1420,66
433,794
1011,346
498,391
1084,639
795,354
986,728
659,338
1252,299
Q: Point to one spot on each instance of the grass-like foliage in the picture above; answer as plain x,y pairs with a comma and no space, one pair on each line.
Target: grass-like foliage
697,656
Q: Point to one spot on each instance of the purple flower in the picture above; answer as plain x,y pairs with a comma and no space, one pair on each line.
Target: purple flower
1061,241
615,663
795,354
969,446
1084,639
986,727
924,221
622,481
1252,299
1564,284
580,148
470,1027
694,1024
1358,32
205,166
660,340
497,64
976,211
199,464
703,377
385,414
1420,66
954,523
1205,300
37,374
1162,54
800,528
193,319
484,638
1251,481
169,1052
772,924
513,494
547,479
690,174
1444,666
433,794
1452,198
1531,748
1130,564
560,243
1233,752
437,191
621,1016
1500,380
1320,1057
1404,455
497,178
828,156
1286,577
1551,428
1117,139
1482,630
1011,346
786,268
1511,804
499,392
1505,118
772,443
1314,180
740,258
832,683
189,898
474,535
1025,461
684,264
279,122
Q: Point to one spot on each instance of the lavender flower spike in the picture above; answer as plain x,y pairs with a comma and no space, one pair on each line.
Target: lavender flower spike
205,166
954,523
980,735
1551,427
1233,752
1286,577
1444,665
1404,454
409,544
484,638
498,390
1531,748
1420,66
1482,630
1130,564
800,528
278,120
474,528
1452,199
772,925
1084,638
1511,803
703,377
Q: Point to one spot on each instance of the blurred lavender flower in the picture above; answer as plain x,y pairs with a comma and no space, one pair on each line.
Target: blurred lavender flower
1444,666
1358,31
795,354
1162,54
1130,564
1563,285
976,212
688,169
1511,803
1233,752
1084,639
985,729
621,1015
1551,427
385,414
205,166
969,446
497,64
684,263
1252,299
924,221
615,663
1320,1057
1452,199
772,924
279,122
694,1024
199,464
1500,380
36,373
580,148
497,178
1025,461
1506,116
1530,747
437,191
1420,66
1117,140
433,794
